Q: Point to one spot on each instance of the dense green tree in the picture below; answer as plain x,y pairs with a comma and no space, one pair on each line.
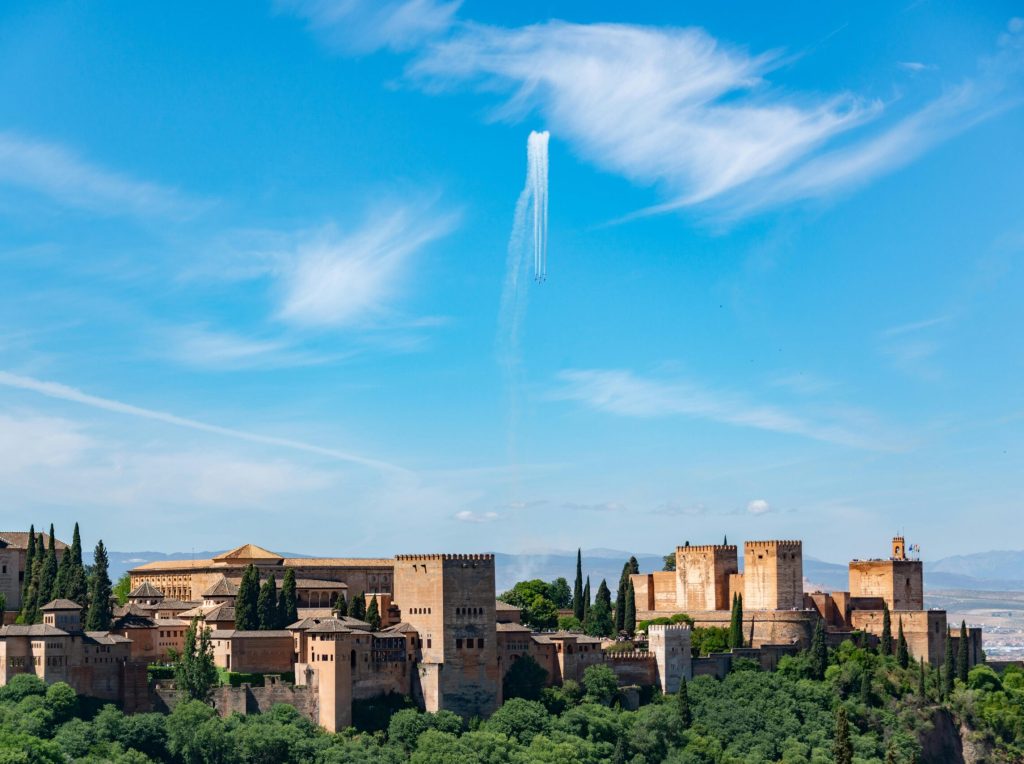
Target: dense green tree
599,619
586,600
963,660
537,602
842,746
922,689
819,650
886,643
48,572
98,616
865,686
629,621
569,623
188,732
266,604
577,590
247,614
525,678
78,580
30,557
520,719
341,606
3,606
121,589
902,649
669,562
736,622
373,614
705,640
542,614
288,602
683,710
619,610
600,684
948,668
195,673
560,594
357,607
63,578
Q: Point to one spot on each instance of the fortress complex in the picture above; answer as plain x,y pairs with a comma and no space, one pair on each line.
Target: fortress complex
443,640
777,610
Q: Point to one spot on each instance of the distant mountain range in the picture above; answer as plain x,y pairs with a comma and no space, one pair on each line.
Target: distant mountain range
983,571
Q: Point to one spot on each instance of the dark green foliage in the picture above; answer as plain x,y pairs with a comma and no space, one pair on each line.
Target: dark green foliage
372,714
902,650
842,747
122,588
962,654
669,561
340,606
3,606
736,622
600,684
922,689
560,594
569,623
524,679
288,602
30,557
598,622
619,612
407,725
538,601
683,710
819,651
98,616
948,668
886,642
520,719
629,620
63,578
373,614
865,687
357,606
577,590
195,673
705,640
266,605
247,614
586,601
48,572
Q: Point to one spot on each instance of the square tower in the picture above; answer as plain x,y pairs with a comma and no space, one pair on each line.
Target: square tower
449,600
670,645
773,575
702,576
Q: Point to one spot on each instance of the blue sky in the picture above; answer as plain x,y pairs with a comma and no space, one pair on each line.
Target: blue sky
253,261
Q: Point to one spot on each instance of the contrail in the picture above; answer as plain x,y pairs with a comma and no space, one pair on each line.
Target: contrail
66,393
532,202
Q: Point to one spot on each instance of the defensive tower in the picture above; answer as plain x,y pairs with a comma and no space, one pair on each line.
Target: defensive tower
773,575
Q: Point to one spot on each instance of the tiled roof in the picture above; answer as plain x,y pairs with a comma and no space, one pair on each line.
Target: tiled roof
318,583
330,626
221,588
403,628
246,553
19,540
298,563
145,589
350,624
33,630
60,604
511,627
106,638
499,605
235,634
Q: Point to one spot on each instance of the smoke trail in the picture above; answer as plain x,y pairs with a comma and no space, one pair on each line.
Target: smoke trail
532,206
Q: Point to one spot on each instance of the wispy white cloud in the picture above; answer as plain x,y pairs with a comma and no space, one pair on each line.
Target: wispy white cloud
203,348
913,66
468,516
66,393
915,326
682,110
758,507
335,279
62,175
363,26
601,506
623,393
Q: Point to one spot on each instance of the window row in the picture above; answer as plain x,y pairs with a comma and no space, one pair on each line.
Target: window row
469,643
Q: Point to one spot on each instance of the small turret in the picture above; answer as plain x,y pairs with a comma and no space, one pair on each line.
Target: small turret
899,548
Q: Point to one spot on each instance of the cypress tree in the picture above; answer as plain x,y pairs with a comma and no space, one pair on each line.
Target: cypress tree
357,607
736,622
373,614
48,573
629,622
902,649
599,618
195,672
266,604
962,654
78,583
886,643
30,557
63,579
586,599
922,691
865,687
948,668
819,650
683,704
577,590
341,605
620,600
98,617
76,547
842,748
247,600
288,602
634,566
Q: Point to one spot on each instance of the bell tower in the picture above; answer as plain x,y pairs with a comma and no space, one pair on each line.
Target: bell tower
899,548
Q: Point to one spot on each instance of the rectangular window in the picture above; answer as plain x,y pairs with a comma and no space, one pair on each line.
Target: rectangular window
428,643
480,643
458,644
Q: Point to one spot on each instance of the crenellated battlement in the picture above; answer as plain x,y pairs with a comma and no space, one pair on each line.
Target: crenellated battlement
420,557
788,543
668,627
632,655
707,548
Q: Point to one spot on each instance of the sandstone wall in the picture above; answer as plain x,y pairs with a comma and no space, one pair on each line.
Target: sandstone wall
899,582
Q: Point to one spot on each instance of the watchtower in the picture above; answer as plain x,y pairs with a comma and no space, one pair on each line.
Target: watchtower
702,576
670,645
899,548
449,600
773,575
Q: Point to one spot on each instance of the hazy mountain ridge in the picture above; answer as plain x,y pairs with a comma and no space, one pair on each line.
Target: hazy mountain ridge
982,571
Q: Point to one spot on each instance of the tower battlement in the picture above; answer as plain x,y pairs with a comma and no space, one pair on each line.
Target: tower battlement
419,557
707,548
789,543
